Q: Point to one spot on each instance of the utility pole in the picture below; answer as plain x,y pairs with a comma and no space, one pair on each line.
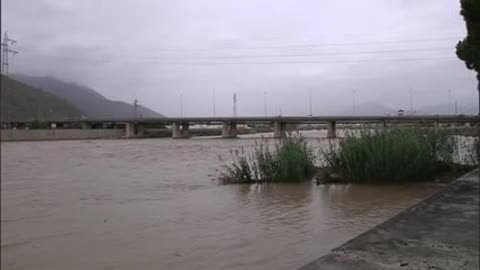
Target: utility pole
353,102
411,101
265,103
449,101
456,107
5,51
214,109
4,67
181,104
234,104
310,100
135,109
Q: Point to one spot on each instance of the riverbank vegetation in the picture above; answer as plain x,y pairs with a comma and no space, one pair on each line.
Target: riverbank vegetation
390,155
371,156
290,160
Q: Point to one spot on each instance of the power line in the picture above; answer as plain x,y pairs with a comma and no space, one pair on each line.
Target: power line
310,45
301,55
352,43
333,61
154,58
306,61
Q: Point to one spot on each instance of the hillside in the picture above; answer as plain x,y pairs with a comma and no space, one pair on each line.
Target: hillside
369,108
91,103
20,102
443,109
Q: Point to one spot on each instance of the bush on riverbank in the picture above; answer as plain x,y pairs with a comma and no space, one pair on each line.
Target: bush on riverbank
393,155
291,160
380,156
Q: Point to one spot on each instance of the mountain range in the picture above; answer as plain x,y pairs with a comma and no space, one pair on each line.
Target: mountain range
89,102
21,102
48,98
373,108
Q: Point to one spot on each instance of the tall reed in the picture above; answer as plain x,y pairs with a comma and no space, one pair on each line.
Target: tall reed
290,160
391,155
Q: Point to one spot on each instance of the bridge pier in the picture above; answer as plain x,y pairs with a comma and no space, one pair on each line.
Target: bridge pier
85,125
229,130
331,130
139,130
129,130
133,130
279,129
180,130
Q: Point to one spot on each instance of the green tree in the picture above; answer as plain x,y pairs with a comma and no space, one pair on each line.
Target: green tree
469,48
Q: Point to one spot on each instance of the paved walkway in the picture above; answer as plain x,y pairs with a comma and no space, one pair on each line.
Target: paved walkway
441,232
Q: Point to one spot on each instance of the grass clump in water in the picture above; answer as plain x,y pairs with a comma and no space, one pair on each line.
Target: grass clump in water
290,160
394,155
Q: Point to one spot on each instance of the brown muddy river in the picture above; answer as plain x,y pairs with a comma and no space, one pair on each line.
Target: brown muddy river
155,204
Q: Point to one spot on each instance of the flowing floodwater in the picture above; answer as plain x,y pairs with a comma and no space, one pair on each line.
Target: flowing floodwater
156,204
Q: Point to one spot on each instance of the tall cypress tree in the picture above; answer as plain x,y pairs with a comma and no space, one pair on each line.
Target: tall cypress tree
469,48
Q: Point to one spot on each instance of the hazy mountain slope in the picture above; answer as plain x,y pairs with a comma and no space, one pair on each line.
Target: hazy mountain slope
369,108
88,101
372,108
21,102
443,109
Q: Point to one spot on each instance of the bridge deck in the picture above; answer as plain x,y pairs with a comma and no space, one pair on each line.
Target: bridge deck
267,120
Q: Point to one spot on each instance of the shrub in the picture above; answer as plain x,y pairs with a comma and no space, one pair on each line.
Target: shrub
390,155
291,160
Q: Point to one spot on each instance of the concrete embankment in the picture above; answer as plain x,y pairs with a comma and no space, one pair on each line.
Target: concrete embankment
59,134
441,232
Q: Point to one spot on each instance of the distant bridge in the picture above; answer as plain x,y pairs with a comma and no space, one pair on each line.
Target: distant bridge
134,127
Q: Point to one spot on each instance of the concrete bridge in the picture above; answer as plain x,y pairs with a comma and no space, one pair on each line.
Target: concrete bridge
180,126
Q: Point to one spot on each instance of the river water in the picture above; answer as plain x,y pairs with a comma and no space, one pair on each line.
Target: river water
156,204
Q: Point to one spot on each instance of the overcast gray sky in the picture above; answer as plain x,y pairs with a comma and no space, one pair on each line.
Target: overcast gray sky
154,50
